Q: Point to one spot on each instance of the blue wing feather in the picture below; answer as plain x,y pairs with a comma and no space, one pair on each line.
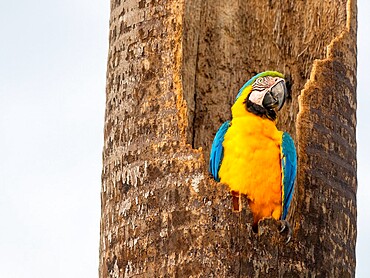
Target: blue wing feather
289,169
217,151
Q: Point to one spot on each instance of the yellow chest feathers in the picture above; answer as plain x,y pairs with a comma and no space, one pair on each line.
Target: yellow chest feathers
251,162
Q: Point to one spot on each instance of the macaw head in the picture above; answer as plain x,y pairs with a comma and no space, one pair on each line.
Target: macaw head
263,95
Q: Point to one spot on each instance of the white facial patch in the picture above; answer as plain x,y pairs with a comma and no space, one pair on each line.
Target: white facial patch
257,97
261,87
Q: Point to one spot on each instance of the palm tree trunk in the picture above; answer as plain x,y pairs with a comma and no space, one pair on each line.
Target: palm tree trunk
174,69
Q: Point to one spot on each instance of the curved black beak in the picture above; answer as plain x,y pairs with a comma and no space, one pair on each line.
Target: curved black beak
275,97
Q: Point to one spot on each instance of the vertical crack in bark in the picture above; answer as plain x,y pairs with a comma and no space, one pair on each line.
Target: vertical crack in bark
195,90
278,260
239,251
192,39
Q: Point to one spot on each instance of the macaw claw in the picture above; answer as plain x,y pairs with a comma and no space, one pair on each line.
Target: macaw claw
285,225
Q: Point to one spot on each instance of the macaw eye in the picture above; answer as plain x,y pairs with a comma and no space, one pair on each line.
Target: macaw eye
259,80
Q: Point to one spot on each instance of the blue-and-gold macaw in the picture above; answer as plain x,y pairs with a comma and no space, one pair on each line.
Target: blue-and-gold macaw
251,155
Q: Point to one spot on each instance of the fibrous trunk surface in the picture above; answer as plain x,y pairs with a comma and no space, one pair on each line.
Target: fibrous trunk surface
174,69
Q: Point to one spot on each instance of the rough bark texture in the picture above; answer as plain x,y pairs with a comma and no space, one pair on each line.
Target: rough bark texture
174,69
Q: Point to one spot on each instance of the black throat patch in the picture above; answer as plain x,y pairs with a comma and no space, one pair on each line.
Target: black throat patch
259,111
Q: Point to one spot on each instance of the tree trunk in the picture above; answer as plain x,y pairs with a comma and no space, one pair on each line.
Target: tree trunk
174,69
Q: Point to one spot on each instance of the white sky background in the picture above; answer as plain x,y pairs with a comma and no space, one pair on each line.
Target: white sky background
363,140
53,57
